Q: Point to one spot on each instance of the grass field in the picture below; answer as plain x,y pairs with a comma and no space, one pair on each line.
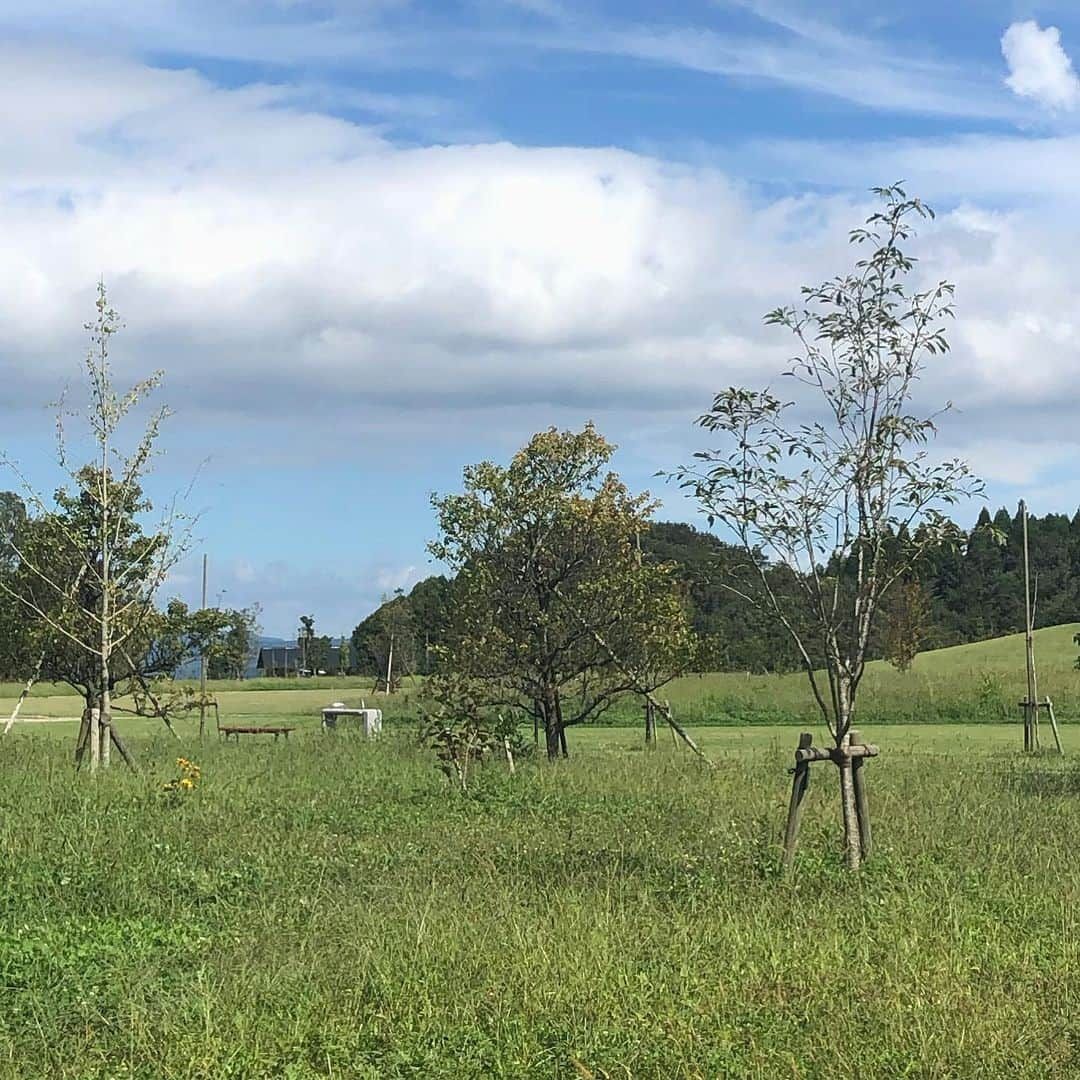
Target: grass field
325,907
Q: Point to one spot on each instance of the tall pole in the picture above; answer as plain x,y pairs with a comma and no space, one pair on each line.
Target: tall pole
390,664
202,663
1031,730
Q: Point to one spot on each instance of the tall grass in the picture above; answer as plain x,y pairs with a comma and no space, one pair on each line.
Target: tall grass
327,908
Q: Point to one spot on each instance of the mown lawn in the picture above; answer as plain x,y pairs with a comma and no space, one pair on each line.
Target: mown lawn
325,907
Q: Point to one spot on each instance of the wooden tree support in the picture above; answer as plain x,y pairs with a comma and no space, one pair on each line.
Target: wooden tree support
852,756
1031,724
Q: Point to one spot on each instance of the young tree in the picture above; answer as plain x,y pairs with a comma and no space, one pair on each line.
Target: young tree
553,613
907,619
90,574
827,492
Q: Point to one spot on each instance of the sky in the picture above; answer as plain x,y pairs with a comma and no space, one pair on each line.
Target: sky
372,241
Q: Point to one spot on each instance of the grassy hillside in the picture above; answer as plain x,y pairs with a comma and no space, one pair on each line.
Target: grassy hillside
977,683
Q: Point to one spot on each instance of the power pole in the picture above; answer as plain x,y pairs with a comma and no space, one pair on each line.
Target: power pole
1031,706
202,664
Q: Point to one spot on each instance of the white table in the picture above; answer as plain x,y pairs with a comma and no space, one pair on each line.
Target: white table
370,718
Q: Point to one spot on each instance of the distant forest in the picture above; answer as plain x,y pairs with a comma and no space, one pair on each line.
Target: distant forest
972,591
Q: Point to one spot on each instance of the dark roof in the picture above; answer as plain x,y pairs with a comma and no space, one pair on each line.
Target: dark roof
288,656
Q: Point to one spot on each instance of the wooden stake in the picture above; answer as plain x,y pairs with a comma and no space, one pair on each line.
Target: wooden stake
799,785
122,749
862,806
509,755
84,736
95,739
29,685
1053,724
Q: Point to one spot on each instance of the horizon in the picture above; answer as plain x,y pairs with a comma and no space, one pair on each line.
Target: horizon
373,243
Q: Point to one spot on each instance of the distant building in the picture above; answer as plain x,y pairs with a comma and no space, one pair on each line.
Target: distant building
285,662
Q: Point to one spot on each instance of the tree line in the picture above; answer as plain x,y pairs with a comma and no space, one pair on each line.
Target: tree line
958,592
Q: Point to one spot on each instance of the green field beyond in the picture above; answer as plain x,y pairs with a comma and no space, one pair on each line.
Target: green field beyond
326,907
977,683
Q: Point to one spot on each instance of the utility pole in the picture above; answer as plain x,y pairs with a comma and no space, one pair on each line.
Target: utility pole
1031,707
202,664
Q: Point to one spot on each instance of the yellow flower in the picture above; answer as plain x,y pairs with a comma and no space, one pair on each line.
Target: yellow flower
187,783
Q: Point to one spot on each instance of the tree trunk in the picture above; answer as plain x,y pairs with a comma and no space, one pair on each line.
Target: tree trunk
551,730
562,726
554,737
852,841
106,728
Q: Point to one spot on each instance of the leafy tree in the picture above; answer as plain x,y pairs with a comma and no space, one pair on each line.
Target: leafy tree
416,620
231,649
554,615
147,644
389,629
13,619
831,494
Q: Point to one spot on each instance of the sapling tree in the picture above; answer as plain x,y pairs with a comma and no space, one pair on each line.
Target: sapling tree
906,618
88,573
840,486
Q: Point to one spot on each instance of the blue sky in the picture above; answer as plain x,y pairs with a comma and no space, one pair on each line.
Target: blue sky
373,241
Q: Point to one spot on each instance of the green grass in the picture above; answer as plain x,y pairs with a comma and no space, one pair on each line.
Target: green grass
325,907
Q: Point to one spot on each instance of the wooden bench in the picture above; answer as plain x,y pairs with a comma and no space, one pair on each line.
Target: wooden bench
236,730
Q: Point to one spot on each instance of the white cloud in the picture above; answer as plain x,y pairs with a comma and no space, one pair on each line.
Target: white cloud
295,274
1039,68
278,260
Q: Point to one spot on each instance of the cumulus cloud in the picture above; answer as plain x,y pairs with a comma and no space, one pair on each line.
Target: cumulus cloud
1039,68
299,276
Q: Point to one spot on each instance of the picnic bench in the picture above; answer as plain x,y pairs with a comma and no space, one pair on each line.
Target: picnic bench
371,719
236,730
